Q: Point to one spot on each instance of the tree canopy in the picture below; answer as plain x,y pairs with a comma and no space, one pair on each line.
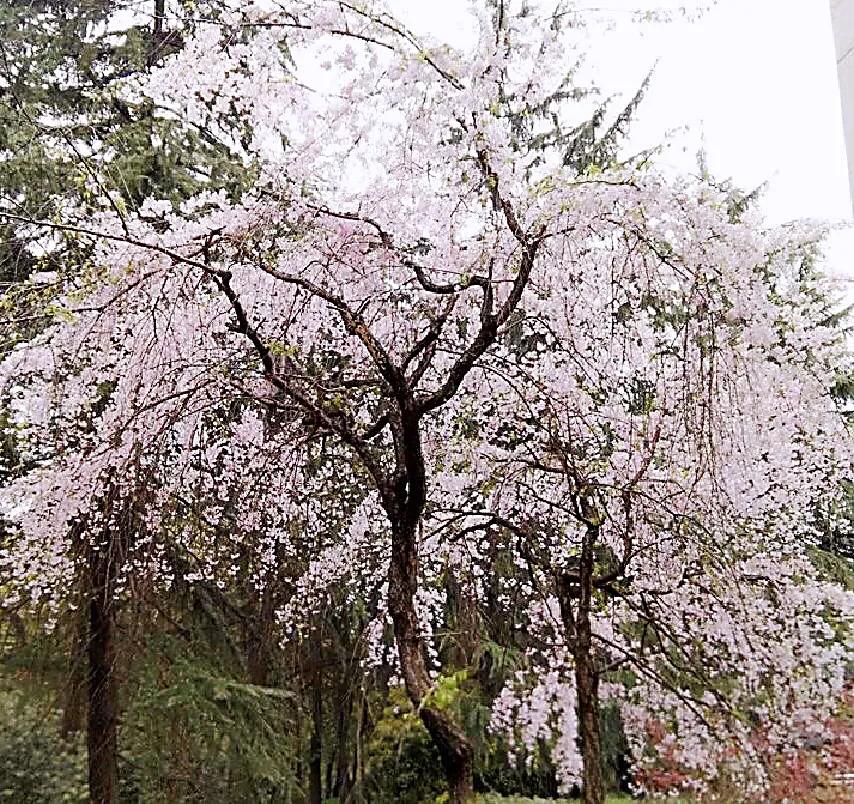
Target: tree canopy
419,377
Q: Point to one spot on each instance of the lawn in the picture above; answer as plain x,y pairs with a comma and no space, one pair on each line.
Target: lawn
612,799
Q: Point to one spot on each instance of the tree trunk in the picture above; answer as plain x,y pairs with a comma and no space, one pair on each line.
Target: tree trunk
587,678
456,752
299,770
454,747
159,14
258,638
74,699
343,775
587,684
315,749
103,688
579,634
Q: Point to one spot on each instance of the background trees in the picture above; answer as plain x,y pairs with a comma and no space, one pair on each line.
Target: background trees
405,379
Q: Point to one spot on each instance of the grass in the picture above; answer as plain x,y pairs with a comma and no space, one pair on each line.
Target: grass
612,799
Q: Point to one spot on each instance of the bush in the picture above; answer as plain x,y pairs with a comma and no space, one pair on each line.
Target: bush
36,766
402,765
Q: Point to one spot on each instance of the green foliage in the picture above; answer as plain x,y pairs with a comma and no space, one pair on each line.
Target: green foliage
193,735
68,132
837,526
833,567
403,764
491,798
446,690
36,767
615,747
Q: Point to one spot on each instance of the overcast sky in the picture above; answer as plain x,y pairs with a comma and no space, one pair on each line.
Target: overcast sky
754,80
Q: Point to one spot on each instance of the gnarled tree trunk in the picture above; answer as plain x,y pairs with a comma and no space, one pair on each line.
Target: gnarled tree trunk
454,747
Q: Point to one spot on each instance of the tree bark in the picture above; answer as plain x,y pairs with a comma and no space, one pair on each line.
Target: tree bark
258,638
315,749
455,749
75,693
340,785
579,633
159,14
456,752
103,687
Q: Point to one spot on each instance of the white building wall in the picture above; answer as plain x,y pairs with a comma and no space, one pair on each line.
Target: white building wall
843,30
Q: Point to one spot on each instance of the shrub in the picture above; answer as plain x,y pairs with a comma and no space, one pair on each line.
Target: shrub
36,766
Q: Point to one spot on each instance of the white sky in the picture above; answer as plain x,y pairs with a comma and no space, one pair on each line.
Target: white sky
754,80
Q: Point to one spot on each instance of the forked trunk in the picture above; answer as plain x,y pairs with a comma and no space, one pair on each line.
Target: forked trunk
453,745
103,687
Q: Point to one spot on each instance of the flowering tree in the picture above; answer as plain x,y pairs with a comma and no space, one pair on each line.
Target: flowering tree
652,461
484,332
